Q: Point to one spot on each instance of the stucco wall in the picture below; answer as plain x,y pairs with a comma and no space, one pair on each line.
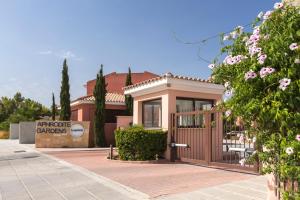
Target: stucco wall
124,121
27,132
14,131
168,103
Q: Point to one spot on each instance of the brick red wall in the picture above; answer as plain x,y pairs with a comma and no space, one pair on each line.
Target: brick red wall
88,115
116,81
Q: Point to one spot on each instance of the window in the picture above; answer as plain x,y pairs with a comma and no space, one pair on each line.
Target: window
189,105
152,114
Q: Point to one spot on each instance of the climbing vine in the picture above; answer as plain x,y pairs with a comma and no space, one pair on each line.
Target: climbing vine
261,74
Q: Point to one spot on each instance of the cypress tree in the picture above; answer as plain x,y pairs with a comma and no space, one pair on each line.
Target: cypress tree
99,119
53,108
65,113
128,98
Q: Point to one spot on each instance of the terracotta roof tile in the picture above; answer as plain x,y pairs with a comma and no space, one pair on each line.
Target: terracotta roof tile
170,75
110,97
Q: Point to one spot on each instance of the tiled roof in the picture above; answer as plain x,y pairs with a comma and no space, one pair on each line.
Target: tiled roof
169,75
110,97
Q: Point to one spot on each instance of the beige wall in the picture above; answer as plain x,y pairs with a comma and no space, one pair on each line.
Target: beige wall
138,109
168,103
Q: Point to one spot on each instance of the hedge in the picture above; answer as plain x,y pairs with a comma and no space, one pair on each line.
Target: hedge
136,143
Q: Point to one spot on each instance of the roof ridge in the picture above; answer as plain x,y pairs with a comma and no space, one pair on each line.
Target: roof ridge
168,75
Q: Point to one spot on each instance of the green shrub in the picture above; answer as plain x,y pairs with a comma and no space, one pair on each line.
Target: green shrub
136,143
4,126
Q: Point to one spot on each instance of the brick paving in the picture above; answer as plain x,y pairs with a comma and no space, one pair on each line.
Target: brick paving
79,175
161,180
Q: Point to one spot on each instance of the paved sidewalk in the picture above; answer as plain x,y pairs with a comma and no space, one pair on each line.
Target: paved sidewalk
252,189
27,174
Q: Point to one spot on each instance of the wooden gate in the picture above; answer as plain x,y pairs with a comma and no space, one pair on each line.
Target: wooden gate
205,137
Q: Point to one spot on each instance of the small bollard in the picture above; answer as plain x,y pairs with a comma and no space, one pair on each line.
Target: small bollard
111,152
156,157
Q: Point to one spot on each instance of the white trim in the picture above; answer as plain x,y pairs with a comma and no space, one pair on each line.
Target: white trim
175,84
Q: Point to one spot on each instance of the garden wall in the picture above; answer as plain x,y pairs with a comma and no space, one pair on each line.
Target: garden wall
27,132
14,131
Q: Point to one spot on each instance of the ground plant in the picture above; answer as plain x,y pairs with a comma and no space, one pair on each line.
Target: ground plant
261,74
136,143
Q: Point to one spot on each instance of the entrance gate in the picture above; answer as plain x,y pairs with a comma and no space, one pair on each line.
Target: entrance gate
206,138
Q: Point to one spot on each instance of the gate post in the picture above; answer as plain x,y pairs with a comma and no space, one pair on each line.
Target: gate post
171,138
208,147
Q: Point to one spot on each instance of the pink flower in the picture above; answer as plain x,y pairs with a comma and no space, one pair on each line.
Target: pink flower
270,70
267,15
226,37
261,59
211,66
298,137
289,150
284,83
242,162
228,113
239,29
278,5
256,30
250,75
293,46
228,93
260,15
227,84
233,34
242,138
266,71
254,50
297,61
231,60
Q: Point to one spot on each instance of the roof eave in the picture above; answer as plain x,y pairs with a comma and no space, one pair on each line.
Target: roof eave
175,84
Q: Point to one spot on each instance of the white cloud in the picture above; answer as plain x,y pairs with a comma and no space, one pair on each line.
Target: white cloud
62,54
48,52
67,54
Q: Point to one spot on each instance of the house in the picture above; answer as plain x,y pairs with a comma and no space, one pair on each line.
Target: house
83,108
158,99
155,99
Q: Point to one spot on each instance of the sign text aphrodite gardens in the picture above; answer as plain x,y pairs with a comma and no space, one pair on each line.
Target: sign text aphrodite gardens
61,134
54,127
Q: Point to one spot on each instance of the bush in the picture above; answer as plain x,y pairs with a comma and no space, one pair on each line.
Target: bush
4,135
136,143
4,126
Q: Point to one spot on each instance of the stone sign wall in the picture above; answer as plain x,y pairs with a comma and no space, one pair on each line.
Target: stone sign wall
60,134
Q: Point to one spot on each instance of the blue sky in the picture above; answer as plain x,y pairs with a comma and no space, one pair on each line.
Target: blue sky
36,35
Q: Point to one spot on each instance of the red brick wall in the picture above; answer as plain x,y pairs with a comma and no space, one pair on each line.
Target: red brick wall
116,81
